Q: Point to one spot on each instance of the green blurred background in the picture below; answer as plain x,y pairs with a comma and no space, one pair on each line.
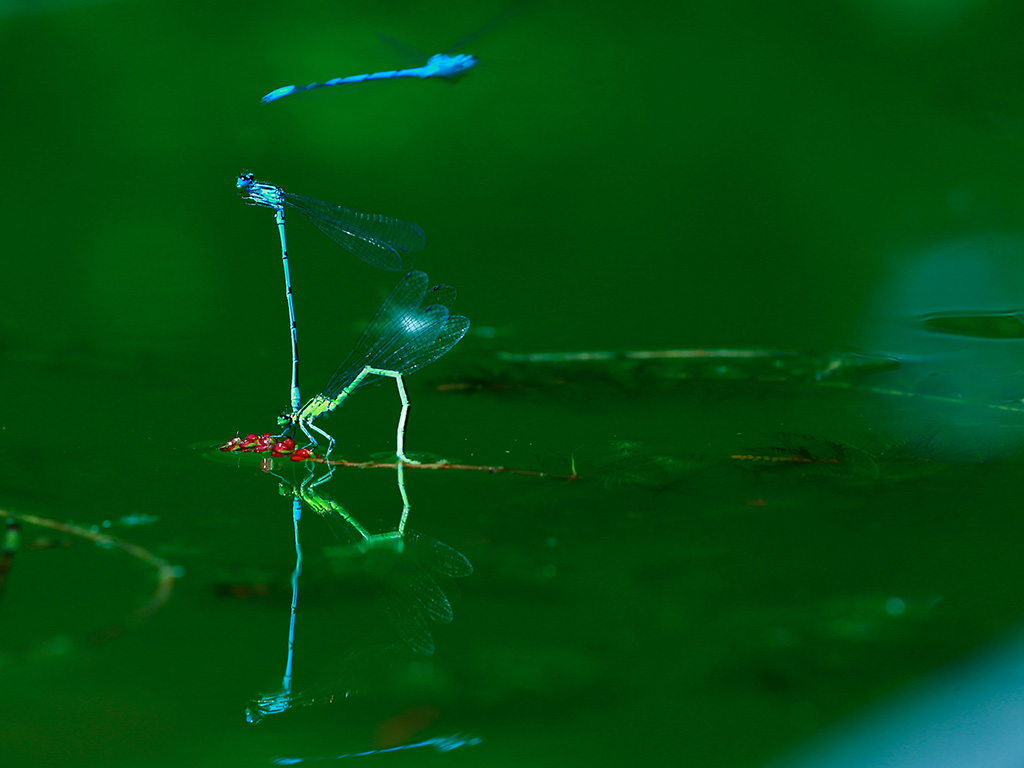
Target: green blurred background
798,175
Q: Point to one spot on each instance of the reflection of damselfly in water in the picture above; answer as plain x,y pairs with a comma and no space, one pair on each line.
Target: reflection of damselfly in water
409,568
412,328
439,743
307,493
411,573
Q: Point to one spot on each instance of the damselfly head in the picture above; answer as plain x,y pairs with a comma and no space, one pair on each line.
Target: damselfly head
447,65
244,181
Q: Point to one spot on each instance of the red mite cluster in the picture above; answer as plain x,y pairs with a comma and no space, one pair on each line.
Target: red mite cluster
267,443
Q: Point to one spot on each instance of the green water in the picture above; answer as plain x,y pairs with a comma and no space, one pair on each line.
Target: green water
716,175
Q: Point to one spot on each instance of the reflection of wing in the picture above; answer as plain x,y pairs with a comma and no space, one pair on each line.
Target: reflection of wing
405,573
439,558
432,600
411,603
411,625
416,597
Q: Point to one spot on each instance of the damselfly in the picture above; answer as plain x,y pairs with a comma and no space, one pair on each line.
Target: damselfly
413,328
444,64
438,65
